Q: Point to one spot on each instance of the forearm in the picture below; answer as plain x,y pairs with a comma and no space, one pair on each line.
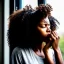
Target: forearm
48,57
58,56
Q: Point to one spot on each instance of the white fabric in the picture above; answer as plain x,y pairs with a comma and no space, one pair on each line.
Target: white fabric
28,56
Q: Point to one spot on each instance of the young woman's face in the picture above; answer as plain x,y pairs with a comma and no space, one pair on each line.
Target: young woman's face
44,27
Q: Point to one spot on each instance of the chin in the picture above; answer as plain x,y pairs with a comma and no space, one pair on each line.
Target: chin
46,38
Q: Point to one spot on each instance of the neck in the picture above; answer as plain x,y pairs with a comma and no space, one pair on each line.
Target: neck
39,49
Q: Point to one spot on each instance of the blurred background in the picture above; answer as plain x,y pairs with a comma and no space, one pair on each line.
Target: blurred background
7,7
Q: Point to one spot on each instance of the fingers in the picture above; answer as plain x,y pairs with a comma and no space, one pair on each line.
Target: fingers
54,40
54,35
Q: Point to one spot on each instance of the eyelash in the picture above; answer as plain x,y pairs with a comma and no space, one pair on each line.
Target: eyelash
43,26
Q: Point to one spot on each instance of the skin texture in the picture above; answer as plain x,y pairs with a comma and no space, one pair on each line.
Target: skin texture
44,29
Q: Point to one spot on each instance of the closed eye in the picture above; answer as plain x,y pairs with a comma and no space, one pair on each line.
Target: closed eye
44,25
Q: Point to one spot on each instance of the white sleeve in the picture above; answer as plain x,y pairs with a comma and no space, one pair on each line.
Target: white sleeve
16,57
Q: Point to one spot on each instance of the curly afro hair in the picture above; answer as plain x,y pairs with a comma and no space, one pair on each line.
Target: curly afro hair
22,25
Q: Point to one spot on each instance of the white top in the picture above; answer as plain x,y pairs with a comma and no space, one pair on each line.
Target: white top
28,56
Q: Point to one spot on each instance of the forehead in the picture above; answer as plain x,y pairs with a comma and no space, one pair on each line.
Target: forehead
45,20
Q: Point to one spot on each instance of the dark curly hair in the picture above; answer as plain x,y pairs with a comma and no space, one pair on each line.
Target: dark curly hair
22,25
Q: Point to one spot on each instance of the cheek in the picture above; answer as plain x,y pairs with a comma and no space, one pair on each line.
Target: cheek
42,32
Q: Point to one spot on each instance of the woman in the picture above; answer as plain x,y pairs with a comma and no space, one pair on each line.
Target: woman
28,30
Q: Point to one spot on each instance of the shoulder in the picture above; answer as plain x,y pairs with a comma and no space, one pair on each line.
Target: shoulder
15,51
16,56
20,52
20,55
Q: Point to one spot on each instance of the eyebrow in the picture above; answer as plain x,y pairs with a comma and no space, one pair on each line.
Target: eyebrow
45,23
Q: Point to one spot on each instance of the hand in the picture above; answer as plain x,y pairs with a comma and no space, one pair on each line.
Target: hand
48,44
48,58
55,40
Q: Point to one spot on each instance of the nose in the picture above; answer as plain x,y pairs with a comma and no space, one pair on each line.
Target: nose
48,29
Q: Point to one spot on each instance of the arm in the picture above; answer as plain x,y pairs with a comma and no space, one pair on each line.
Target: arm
48,57
54,43
55,46
58,56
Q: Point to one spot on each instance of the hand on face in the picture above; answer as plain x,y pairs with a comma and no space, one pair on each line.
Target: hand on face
55,39
51,38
